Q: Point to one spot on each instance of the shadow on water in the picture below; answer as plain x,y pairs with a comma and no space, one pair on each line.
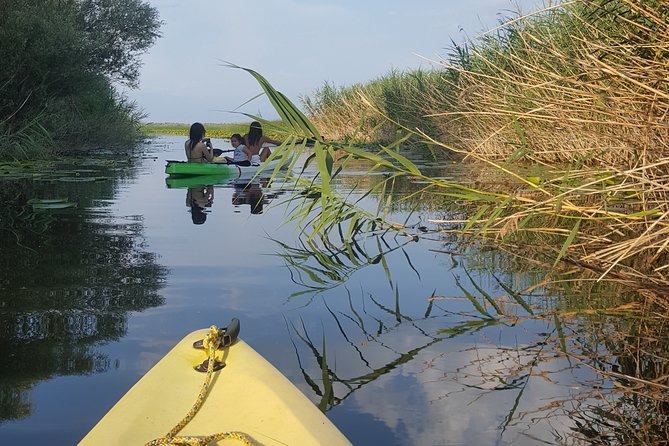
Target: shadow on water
86,269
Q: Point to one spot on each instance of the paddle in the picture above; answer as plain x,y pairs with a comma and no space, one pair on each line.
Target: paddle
218,152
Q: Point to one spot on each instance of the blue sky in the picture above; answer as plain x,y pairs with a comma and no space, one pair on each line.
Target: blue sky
297,45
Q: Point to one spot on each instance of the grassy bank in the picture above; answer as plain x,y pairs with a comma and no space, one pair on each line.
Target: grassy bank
214,130
580,83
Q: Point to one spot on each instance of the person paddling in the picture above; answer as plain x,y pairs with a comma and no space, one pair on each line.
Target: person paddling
255,140
198,148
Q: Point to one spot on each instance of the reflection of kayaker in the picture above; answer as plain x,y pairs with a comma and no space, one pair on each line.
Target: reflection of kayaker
197,199
241,398
250,193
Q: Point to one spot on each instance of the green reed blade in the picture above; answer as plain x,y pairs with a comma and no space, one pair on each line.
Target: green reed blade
472,221
568,242
485,295
473,300
411,167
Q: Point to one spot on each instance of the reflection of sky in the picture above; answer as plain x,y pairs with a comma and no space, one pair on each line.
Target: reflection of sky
445,394
224,269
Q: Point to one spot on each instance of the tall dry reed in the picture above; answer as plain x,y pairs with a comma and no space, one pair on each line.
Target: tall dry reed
579,89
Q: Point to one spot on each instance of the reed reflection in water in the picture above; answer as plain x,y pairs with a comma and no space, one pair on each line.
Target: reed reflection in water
417,339
566,361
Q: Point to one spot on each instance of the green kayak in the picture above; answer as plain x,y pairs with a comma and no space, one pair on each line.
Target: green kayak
233,170
182,182
185,168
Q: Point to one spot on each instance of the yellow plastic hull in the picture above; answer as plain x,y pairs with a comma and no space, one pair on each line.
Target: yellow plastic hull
248,395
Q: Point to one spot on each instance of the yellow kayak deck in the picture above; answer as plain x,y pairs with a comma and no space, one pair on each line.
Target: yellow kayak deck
248,395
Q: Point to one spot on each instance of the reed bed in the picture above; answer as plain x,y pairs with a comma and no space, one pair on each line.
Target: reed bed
584,82
577,223
342,113
578,91
564,113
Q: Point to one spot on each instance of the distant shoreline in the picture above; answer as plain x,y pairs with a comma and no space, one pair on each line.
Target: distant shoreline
214,130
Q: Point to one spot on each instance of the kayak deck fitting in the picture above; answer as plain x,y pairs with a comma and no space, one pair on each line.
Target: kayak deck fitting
246,398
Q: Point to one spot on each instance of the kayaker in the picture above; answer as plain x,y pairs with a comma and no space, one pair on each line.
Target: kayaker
254,140
198,148
242,155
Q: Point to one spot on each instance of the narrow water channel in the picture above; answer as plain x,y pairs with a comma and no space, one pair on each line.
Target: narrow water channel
429,341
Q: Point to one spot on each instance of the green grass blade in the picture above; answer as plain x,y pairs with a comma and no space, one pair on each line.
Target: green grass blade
568,242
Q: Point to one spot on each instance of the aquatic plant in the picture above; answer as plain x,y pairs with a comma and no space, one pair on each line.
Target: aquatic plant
214,130
569,107
577,88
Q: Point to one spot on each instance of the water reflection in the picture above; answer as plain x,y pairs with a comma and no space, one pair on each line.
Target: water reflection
319,265
419,340
198,199
250,192
547,359
70,277
379,357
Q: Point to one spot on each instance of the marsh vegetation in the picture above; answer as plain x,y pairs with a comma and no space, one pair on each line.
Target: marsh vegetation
556,223
562,117
564,114
62,63
214,130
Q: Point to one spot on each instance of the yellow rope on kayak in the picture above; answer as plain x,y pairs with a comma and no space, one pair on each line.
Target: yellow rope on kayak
211,343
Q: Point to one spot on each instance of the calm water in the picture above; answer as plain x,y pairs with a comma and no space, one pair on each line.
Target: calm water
428,342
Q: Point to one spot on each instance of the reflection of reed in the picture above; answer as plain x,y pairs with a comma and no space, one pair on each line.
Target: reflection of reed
603,357
330,380
320,265
616,350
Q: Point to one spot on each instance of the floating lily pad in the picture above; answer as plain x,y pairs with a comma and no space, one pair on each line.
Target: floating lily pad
47,200
54,205
51,203
76,179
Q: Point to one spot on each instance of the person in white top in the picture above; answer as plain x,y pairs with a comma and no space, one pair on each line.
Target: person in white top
242,154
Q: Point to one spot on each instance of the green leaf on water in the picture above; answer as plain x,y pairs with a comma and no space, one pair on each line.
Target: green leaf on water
76,179
53,204
47,200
